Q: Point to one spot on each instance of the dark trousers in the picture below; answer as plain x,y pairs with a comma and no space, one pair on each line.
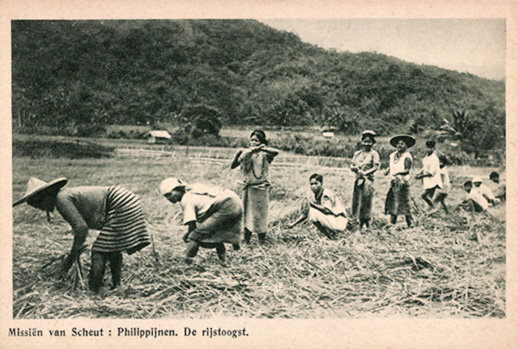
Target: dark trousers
98,267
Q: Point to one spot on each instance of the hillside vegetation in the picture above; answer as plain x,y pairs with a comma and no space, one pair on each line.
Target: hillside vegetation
74,73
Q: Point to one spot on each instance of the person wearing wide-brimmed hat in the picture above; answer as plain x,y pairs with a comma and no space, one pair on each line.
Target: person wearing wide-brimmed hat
364,164
213,215
113,210
254,162
400,163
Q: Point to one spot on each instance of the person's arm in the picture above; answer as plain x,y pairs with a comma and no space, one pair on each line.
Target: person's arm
271,152
236,161
190,228
69,212
301,218
353,162
304,210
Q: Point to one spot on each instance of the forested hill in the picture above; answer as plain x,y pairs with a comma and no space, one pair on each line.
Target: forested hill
128,72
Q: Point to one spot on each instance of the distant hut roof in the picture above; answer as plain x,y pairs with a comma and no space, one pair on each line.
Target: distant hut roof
160,134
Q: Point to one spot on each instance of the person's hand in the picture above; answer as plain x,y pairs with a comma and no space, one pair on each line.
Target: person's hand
66,265
257,148
186,237
360,173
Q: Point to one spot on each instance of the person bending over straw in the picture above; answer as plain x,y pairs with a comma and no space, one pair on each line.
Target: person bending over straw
254,162
113,210
322,208
213,215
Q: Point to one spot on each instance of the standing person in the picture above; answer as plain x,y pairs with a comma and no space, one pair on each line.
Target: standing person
322,208
430,174
442,192
364,164
213,215
115,211
400,163
255,162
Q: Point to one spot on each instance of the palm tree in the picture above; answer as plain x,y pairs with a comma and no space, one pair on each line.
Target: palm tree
458,127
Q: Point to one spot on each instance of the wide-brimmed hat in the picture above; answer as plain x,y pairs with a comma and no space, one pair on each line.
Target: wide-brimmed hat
36,186
409,140
369,133
169,184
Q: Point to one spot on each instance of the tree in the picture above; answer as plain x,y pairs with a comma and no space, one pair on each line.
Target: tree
458,127
201,120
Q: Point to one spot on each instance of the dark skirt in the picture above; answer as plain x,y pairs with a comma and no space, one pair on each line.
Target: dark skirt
221,223
362,198
398,198
125,227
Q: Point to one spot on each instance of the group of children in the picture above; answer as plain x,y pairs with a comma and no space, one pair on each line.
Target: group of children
215,216
324,209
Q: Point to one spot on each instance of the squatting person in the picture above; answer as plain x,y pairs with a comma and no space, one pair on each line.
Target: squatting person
322,208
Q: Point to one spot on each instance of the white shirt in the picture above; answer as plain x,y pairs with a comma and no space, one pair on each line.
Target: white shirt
445,178
398,165
431,165
478,198
485,192
197,201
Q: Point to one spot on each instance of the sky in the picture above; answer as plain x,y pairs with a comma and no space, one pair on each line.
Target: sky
475,46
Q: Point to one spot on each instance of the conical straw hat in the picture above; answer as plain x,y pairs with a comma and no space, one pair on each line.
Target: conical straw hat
37,186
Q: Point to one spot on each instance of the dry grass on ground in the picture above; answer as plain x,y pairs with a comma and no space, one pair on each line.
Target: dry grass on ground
446,266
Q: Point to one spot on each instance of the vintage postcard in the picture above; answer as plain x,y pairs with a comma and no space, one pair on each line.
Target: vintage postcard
258,174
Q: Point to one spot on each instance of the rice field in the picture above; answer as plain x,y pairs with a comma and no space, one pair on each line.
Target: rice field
447,266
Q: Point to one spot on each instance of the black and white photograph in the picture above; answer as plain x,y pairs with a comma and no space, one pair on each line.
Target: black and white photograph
256,168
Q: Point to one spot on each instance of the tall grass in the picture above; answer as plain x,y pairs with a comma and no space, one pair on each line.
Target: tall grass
446,266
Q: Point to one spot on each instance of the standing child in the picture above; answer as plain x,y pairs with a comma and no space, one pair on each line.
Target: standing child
430,174
400,164
442,192
364,164
255,162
